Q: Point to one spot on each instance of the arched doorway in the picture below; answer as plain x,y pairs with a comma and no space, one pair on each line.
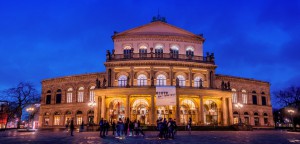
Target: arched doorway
140,111
116,110
211,113
187,110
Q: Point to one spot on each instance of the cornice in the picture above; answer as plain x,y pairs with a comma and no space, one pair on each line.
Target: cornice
158,37
240,79
159,63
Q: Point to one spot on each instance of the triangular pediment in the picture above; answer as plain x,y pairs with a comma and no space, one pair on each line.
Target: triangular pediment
157,27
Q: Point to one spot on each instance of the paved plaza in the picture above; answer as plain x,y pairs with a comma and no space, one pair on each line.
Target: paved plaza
203,137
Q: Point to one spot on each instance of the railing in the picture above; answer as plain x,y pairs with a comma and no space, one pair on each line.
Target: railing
159,56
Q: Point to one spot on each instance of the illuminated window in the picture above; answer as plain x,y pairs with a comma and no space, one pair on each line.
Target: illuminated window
174,51
69,95
122,81
159,50
197,81
143,51
189,51
161,80
56,120
127,51
181,80
80,94
234,96
92,93
244,96
142,80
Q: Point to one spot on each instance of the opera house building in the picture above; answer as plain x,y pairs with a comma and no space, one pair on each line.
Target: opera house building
156,71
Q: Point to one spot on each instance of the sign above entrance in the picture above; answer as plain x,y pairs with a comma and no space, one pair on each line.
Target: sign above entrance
165,95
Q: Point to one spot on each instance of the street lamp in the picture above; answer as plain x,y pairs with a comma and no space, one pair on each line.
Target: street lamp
291,112
239,106
29,110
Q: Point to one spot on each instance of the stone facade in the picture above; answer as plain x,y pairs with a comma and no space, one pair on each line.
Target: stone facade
156,54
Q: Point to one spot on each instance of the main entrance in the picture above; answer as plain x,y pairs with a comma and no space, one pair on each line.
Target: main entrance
116,110
140,111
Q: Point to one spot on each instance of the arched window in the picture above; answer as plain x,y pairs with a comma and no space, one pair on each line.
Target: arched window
56,118
79,117
143,51
58,96
127,51
246,113
189,51
255,114
181,80
174,51
122,81
254,98
198,81
265,114
80,94
48,97
92,93
69,95
159,50
244,97
142,80
234,96
161,80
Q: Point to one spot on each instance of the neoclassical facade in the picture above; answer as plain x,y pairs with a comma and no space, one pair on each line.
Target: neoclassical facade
155,55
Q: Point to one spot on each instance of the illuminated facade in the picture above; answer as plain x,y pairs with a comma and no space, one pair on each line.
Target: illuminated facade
156,54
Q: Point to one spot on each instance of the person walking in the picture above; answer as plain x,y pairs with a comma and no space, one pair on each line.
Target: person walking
101,124
190,126
72,127
106,127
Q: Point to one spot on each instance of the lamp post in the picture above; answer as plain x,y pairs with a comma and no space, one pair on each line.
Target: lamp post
239,106
291,112
29,110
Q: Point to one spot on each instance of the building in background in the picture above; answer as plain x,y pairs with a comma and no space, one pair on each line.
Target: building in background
144,61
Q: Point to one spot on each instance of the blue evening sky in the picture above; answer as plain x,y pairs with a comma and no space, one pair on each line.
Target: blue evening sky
45,39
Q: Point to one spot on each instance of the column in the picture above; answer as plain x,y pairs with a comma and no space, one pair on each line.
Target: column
225,111
201,110
97,110
127,111
131,76
152,121
190,76
230,111
171,75
177,110
103,107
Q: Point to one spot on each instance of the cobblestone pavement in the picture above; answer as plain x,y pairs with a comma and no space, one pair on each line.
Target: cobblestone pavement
203,137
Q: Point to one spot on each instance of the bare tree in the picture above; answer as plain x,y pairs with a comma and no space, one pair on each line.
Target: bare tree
19,98
289,99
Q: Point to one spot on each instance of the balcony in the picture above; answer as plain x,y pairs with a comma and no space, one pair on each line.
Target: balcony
160,56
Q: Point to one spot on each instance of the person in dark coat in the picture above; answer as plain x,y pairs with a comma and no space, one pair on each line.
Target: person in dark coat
72,127
113,126
101,124
106,127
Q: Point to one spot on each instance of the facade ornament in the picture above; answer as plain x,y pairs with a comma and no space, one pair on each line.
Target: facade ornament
228,86
152,81
128,79
98,83
104,83
108,55
222,85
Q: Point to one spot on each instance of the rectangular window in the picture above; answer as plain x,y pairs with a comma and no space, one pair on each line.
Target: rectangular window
234,97
92,95
256,121
254,99
56,120
58,98
79,120
244,97
46,121
48,99
80,96
263,100
246,120
235,120
266,121
69,97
